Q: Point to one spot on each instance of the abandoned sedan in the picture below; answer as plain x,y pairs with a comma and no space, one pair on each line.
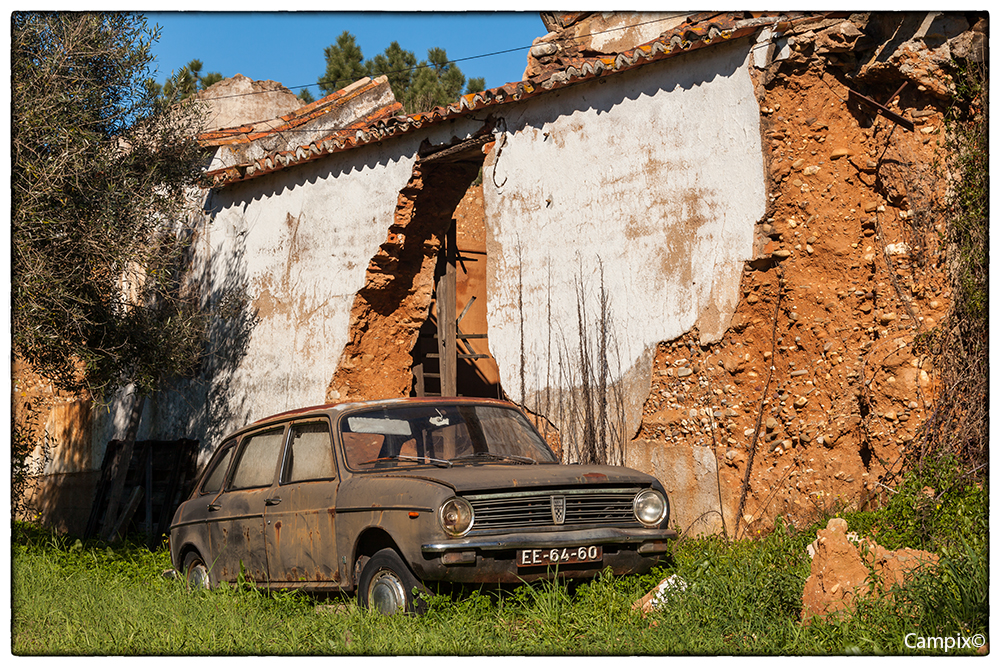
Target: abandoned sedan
380,497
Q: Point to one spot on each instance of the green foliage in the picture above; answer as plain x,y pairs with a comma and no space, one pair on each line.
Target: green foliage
476,85
954,598
185,83
398,65
98,166
418,86
306,96
436,82
740,598
935,507
344,64
737,598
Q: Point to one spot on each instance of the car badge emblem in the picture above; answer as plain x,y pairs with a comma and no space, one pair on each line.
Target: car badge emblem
558,509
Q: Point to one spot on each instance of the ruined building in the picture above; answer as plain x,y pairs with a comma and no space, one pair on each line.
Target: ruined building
702,245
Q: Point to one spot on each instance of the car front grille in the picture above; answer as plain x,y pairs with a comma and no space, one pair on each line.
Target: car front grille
534,509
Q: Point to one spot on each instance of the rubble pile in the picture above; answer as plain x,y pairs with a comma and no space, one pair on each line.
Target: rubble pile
844,568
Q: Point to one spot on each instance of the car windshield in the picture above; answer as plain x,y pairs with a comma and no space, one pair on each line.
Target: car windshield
442,435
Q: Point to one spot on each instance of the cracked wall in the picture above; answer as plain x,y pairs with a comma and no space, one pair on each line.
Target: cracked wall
395,301
658,211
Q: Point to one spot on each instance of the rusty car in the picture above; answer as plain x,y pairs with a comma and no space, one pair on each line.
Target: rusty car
382,498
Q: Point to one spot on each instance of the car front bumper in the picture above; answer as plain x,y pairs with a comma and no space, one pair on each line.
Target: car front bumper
493,558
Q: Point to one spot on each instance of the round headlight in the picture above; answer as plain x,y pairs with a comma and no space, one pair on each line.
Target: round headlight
650,507
456,516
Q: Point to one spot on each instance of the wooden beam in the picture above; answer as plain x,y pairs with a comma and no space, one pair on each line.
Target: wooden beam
446,290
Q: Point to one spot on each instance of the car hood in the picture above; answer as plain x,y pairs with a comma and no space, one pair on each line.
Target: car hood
491,477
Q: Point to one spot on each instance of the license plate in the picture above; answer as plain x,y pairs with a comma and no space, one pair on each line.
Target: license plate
555,556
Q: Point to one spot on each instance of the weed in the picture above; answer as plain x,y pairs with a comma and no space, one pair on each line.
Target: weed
935,506
739,598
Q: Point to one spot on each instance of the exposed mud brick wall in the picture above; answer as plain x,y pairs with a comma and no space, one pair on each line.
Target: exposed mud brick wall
389,311
821,380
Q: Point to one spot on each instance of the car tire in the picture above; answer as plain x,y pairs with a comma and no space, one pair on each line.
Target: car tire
196,572
387,585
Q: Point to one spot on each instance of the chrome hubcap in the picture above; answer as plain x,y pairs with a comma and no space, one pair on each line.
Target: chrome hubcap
386,593
198,576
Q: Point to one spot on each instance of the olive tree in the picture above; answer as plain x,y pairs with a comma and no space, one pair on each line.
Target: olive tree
99,172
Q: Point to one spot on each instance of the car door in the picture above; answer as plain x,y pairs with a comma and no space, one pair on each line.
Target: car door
236,523
300,517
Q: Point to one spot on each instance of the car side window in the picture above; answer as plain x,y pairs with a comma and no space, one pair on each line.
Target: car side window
217,475
309,454
258,458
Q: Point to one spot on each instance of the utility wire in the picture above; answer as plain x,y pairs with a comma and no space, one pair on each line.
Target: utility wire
464,59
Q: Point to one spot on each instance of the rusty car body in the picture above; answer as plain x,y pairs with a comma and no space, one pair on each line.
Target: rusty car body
380,497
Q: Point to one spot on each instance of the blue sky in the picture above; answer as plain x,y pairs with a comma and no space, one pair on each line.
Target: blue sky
287,47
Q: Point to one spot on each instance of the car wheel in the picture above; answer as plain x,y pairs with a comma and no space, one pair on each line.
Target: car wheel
387,585
196,572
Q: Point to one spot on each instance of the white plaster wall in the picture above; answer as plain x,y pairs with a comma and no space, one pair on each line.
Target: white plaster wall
661,188
298,242
303,252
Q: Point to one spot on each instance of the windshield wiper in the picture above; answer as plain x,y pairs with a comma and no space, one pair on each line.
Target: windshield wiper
490,456
416,459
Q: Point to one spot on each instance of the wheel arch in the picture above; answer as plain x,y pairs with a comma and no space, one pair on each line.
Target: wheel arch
369,542
189,546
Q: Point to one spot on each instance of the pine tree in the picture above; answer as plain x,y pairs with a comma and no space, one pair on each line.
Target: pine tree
418,86
344,64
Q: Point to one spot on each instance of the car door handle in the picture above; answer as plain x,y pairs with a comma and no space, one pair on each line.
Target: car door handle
272,501
214,507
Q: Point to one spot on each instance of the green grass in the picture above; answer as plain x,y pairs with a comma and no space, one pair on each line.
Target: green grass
742,598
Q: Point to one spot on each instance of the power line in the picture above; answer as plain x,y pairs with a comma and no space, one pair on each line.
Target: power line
467,58
485,55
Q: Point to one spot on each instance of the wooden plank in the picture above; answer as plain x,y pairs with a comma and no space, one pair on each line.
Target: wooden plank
126,516
180,463
183,453
121,469
148,453
447,318
112,451
418,379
